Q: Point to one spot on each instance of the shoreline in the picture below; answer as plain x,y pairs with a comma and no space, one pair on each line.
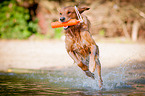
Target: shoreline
51,54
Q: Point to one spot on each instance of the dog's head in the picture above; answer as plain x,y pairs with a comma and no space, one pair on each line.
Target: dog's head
68,13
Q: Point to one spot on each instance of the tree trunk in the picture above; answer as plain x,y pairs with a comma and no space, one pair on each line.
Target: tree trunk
135,28
125,31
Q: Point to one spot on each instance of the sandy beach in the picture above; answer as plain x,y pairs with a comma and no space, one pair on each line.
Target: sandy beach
28,54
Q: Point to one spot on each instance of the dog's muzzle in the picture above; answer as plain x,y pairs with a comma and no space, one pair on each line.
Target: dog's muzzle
62,19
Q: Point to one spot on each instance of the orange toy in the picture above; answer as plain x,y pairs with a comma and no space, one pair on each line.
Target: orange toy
61,24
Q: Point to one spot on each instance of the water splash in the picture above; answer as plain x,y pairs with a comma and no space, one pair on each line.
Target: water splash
75,78
72,81
113,78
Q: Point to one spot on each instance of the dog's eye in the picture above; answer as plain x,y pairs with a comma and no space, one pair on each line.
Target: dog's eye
60,13
68,12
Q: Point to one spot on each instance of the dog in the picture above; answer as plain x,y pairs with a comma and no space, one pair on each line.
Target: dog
79,43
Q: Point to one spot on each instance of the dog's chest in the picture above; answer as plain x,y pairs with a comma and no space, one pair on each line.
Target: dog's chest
81,47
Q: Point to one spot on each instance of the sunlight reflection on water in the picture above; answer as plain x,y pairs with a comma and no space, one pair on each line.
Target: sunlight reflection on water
70,81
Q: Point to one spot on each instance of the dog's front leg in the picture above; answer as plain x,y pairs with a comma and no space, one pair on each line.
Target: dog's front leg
77,59
74,57
92,62
84,67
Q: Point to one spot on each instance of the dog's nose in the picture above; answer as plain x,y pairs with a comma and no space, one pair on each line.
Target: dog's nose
62,19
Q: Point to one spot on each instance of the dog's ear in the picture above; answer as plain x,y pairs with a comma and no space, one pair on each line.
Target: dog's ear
82,9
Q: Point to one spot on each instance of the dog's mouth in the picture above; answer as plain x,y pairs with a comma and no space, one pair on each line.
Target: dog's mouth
66,27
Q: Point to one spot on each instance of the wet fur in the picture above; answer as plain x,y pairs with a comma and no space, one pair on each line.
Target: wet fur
79,43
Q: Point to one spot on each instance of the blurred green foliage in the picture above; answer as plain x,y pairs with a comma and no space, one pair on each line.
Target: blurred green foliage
15,21
102,32
39,36
58,33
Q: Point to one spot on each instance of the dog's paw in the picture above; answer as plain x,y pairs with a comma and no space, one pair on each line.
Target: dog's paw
100,84
89,74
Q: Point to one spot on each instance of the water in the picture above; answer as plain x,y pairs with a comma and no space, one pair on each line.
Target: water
123,80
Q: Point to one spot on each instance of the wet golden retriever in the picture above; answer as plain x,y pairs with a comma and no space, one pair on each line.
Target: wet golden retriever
79,43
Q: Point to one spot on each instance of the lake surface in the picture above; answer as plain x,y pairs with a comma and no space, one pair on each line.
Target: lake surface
124,80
